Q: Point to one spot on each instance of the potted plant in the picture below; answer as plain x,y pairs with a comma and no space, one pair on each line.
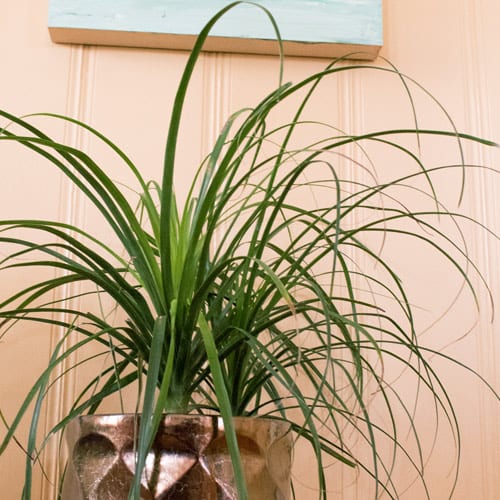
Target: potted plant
246,301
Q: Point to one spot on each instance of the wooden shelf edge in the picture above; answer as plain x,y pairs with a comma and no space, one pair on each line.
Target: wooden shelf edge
213,44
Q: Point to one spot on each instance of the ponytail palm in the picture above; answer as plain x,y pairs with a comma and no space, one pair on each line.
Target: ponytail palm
245,300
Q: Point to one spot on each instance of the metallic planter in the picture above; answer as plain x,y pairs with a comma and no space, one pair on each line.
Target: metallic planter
189,459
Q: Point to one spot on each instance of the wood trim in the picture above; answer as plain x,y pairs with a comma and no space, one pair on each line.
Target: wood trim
213,43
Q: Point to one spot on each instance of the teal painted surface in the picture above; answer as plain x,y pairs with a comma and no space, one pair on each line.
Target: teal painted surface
329,21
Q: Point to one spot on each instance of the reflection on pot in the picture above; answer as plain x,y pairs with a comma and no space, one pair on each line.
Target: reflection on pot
189,459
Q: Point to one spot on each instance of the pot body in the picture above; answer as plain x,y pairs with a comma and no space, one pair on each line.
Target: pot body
189,459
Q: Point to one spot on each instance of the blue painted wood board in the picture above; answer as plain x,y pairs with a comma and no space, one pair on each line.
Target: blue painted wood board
352,23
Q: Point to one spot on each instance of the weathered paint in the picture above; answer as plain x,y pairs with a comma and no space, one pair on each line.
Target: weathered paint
356,22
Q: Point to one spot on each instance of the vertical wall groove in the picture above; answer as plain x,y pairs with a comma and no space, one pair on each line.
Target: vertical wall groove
216,97
485,205
350,120
216,100
62,395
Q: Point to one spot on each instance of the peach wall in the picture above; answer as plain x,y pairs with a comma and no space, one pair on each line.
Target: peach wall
450,46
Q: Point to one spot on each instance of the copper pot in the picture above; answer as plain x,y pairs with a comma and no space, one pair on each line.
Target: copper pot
189,459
